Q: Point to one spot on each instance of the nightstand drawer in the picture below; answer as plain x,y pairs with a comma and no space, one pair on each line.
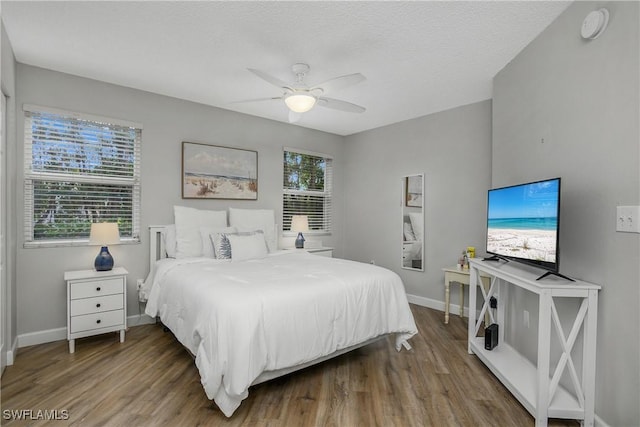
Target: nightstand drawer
97,320
96,304
95,288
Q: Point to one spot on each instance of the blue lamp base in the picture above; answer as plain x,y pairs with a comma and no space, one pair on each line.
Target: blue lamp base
300,241
104,260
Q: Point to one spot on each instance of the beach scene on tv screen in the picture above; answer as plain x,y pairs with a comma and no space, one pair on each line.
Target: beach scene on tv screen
523,221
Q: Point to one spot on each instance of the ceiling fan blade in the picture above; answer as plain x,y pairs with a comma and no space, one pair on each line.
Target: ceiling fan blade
277,98
336,104
294,117
270,79
341,82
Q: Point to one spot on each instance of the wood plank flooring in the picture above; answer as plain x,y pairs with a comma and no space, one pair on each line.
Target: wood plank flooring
151,380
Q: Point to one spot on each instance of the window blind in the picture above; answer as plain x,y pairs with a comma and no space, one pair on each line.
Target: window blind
79,170
307,189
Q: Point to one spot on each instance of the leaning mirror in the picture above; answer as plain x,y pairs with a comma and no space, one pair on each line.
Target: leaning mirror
413,222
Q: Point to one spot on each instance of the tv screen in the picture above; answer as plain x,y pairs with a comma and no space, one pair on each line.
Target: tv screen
523,223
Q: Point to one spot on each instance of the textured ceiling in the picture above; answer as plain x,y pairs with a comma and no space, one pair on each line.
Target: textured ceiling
418,57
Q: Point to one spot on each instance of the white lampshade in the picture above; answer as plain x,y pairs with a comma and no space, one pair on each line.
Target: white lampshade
104,234
299,223
300,102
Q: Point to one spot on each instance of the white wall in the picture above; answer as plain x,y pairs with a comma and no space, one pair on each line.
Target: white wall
582,97
453,150
41,299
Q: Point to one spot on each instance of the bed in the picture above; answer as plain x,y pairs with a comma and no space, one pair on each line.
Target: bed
252,320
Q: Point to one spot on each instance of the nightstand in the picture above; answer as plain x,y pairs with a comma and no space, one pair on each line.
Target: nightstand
452,274
96,303
322,251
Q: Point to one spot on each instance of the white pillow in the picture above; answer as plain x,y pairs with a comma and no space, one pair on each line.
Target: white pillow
417,223
170,240
251,246
207,244
188,222
408,232
256,219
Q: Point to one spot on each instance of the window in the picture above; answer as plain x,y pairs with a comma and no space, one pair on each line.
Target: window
79,169
307,187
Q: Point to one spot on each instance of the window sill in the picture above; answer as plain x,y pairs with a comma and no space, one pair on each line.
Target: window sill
69,243
306,233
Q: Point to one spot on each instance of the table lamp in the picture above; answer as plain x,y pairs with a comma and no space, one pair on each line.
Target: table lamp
103,234
300,223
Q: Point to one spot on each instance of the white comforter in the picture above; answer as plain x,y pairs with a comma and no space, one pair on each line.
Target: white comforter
243,318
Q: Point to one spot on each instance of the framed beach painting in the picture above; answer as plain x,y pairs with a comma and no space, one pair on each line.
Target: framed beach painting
215,172
413,196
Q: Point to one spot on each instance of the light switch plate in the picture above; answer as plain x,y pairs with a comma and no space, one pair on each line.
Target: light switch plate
628,219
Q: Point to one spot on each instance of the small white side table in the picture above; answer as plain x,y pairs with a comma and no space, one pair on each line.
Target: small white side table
452,274
96,303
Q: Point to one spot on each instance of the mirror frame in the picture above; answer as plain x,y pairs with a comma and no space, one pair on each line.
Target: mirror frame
412,202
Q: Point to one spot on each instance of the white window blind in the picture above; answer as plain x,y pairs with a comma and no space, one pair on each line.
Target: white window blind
79,169
307,188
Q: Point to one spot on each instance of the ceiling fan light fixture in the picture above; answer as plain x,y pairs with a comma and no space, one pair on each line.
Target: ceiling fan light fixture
300,102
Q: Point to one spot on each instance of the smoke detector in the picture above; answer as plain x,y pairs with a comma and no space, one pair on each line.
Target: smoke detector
594,24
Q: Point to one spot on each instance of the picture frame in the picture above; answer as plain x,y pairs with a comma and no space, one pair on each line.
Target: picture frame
218,172
413,196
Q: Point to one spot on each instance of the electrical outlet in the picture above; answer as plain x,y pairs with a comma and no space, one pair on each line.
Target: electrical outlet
628,219
139,283
526,319
493,302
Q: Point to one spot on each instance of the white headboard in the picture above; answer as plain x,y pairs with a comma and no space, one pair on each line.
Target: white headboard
156,244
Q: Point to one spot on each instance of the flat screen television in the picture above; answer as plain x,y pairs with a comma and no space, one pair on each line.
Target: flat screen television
523,224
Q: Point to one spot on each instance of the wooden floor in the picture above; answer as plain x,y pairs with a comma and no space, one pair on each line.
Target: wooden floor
151,380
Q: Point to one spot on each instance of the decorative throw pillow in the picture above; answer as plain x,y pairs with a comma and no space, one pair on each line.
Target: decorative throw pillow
221,246
245,247
207,243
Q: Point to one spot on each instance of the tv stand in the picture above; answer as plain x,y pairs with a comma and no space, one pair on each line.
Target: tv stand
555,273
535,385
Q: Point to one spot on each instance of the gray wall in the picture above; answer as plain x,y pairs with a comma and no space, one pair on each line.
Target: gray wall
453,150
8,87
167,122
582,98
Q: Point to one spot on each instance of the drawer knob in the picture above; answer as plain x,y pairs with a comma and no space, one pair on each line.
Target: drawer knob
98,289
98,321
98,305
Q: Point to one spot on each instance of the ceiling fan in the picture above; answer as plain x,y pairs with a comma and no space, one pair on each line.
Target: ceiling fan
300,98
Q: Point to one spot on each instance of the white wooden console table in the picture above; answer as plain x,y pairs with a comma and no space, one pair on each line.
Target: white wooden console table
537,390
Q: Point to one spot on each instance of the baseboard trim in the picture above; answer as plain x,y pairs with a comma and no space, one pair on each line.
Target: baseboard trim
599,422
8,356
41,337
454,309
59,334
11,354
139,320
